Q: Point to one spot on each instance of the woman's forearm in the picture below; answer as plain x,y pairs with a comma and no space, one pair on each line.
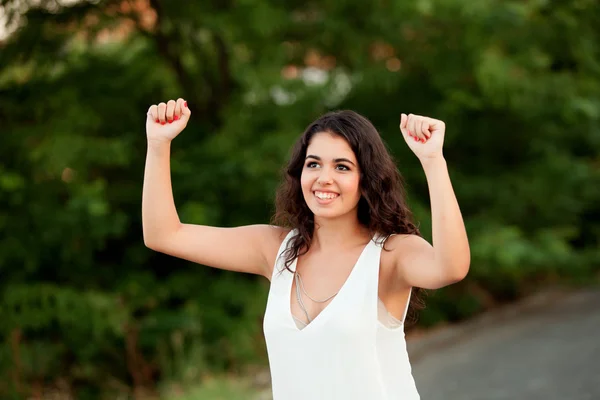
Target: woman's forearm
159,215
450,242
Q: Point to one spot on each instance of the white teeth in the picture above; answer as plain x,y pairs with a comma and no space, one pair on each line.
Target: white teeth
325,196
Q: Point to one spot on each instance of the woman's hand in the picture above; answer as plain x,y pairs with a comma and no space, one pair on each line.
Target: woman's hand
166,120
424,135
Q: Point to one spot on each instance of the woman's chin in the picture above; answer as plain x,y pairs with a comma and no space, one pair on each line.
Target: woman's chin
326,213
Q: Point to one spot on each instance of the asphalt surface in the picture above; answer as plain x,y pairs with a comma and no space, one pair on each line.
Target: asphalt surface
547,350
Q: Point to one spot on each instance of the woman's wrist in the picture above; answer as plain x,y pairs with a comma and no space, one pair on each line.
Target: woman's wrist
159,144
433,162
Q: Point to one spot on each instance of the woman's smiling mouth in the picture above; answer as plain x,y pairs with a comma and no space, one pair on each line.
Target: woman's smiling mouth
325,197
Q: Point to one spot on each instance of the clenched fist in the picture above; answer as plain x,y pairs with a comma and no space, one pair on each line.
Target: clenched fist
166,120
424,135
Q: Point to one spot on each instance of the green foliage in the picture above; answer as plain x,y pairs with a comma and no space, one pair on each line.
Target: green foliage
214,389
84,302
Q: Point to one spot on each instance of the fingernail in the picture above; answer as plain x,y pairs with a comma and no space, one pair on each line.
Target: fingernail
416,139
185,103
162,123
175,118
157,120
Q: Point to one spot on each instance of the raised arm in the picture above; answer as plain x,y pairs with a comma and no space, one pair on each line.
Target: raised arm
248,249
447,261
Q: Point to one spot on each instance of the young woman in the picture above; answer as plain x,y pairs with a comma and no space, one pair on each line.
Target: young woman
343,257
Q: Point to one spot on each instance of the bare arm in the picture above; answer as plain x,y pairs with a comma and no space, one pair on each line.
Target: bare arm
245,249
447,261
159,215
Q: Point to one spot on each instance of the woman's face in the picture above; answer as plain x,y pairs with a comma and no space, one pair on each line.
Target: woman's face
330,177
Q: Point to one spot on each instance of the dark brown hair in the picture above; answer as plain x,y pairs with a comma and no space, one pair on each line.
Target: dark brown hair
382,207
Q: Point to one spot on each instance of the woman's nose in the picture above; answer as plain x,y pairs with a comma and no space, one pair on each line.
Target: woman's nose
324,177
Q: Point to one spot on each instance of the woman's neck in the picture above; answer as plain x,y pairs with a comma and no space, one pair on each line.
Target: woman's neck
334,234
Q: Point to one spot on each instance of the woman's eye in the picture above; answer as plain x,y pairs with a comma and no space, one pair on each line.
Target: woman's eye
339,167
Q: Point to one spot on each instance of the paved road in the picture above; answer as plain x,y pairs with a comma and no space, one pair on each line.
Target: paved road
550,352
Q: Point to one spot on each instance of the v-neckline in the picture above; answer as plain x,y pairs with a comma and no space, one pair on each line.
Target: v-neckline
333,301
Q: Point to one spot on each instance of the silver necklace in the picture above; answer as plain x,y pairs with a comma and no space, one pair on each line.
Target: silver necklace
300,288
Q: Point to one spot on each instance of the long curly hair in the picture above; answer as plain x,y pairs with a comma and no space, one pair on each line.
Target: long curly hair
382,207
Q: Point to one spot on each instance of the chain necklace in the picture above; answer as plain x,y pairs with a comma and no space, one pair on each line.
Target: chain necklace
300,288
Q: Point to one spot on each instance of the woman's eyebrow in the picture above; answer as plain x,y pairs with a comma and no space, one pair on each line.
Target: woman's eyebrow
335,160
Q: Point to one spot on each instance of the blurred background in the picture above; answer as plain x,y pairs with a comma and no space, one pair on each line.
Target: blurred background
88,312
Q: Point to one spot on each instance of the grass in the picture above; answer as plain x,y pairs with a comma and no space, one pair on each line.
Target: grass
216,389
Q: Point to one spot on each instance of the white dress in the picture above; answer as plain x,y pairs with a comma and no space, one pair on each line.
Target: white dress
346,352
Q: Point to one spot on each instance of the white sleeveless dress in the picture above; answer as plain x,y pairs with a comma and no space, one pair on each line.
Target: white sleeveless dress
345,353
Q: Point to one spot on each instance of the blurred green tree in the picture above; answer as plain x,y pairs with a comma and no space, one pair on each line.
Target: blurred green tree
86,307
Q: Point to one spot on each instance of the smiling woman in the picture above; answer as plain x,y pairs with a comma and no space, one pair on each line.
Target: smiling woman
342,254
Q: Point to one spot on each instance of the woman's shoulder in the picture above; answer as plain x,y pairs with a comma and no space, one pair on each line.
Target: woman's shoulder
273,237
398,246
277,234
